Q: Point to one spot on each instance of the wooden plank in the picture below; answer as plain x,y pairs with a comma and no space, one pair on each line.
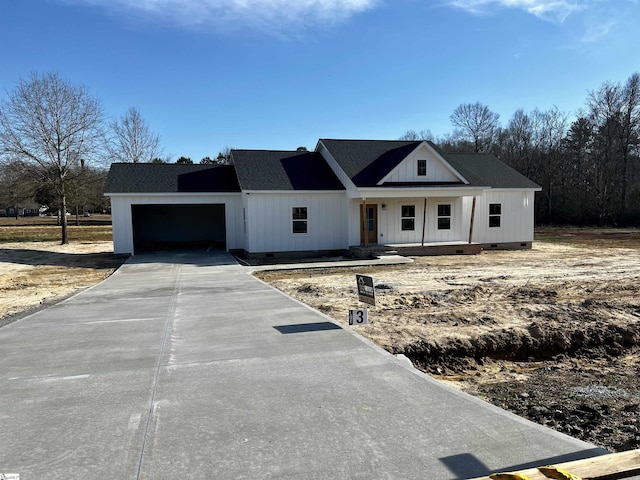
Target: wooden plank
613,466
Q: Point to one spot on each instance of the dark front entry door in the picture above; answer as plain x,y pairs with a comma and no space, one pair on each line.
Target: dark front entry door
368,224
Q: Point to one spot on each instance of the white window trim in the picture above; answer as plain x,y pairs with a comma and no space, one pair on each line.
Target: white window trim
293,234
438,216
494,215
418,167
407,218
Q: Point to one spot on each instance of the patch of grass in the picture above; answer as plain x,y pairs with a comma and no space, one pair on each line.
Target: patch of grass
42,229
590,236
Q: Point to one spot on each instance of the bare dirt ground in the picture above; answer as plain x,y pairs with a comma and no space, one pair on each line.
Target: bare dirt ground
551,333
36,274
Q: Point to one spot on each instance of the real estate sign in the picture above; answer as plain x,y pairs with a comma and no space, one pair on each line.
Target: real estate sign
366,292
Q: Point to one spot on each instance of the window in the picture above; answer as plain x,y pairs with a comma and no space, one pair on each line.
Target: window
422,168
495,215
299,219
408,217
444,217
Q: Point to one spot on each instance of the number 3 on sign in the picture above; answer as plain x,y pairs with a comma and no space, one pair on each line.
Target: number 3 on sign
359,317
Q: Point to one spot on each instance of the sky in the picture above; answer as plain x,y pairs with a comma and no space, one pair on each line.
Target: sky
280,74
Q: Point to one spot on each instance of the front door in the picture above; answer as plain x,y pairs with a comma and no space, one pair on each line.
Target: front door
369,224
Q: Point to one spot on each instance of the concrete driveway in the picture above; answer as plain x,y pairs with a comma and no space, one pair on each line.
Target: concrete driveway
183,365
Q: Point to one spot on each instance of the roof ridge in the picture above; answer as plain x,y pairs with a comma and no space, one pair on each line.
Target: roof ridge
269,150
471,153
371,140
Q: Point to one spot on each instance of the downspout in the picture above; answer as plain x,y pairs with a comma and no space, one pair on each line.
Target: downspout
424,219
473,214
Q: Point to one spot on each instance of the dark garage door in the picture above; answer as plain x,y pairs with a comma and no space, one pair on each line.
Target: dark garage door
178,226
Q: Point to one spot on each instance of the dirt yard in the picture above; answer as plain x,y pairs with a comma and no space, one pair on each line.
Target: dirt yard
551,334
35,274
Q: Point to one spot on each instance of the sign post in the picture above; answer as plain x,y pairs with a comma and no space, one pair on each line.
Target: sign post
366,294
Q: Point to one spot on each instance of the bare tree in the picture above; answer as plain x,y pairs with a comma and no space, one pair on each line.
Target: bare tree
16,186
520,139
629,132
51,125
615,110
412,135
476,123
85,192
550,128
132,140
586,175
224,156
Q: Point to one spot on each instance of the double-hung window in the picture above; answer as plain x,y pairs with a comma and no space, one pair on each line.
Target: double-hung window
422,168
495,215
444,216
299,221
408,217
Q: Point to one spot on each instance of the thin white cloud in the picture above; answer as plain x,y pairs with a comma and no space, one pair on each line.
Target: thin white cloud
597,31
549,10
236,14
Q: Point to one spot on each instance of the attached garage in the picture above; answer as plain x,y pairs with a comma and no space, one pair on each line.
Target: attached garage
160,206
163,226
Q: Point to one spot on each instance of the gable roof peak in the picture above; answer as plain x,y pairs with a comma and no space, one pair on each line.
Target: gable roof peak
366,162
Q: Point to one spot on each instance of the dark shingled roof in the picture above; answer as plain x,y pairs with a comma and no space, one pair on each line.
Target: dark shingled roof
283,170
484,169
367,162
170,178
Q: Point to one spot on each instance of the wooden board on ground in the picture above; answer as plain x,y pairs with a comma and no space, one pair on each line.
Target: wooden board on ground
614,466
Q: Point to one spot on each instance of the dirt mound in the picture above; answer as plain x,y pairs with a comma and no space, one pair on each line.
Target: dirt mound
537,341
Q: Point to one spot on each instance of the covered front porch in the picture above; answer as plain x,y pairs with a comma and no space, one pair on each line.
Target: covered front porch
410,222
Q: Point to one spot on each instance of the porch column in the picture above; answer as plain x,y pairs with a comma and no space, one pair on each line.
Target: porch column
365,224
473,214
424,219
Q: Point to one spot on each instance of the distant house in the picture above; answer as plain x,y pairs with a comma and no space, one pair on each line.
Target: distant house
346,193
30,211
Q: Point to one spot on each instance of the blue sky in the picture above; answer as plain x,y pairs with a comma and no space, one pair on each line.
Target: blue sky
279,74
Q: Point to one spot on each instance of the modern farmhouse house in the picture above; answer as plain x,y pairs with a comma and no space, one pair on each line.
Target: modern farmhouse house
346,193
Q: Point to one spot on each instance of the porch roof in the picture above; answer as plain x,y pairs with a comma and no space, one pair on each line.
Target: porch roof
421,192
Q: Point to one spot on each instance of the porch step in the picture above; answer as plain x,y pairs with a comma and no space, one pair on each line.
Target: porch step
418,251
373,251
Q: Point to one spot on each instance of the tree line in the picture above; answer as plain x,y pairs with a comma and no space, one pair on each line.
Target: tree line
588,165
56,144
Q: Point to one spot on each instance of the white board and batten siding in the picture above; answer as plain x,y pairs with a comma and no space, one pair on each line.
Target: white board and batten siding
407,170
123,226
269,221
390,220
517,216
